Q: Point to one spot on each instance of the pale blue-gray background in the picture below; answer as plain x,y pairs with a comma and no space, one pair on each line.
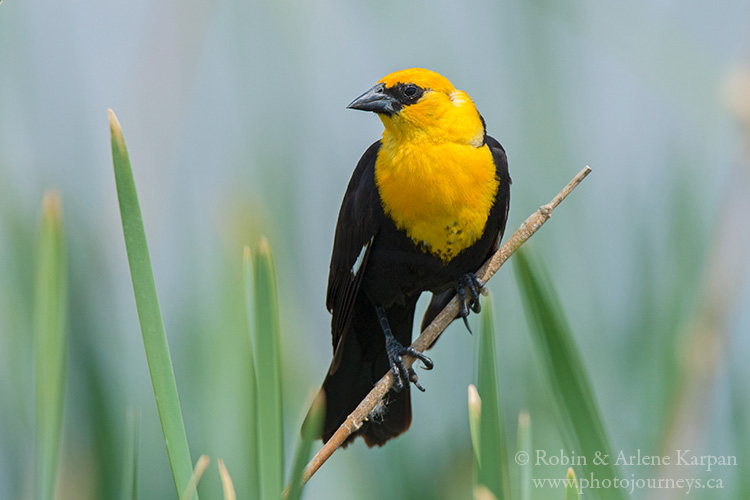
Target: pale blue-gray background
234,114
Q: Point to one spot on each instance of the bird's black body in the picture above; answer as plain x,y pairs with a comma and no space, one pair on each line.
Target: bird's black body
375,263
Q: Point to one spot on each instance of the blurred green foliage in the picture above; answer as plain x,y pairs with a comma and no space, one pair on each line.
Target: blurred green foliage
266,418
50,343
236,122
269,416
565,375
491,441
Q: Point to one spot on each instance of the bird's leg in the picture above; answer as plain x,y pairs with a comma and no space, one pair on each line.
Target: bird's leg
395,350
471,282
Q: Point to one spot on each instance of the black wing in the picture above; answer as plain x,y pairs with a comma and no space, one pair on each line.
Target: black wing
502,200
359,220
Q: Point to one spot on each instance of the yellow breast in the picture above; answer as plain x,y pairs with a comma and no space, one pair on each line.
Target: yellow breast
439,193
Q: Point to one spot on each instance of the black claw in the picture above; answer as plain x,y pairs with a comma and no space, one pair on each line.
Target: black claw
479,284
476,307
475,286
402,375
428,364
466,322
462,311
414,379
398,386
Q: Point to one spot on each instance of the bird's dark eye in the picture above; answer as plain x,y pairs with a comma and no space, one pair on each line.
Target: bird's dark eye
410,90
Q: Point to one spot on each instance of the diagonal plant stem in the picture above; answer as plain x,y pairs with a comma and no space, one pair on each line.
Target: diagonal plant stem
430,334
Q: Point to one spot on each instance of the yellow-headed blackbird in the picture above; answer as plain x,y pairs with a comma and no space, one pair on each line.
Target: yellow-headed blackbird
425,207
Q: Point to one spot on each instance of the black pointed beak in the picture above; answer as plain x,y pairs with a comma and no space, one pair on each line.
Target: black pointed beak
375,100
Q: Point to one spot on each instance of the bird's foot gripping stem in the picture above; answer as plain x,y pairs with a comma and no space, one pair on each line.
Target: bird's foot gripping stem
394,349
475,286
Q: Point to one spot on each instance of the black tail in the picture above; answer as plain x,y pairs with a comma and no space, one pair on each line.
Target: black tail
359,362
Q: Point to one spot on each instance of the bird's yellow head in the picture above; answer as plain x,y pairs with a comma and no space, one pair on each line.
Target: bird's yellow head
420,105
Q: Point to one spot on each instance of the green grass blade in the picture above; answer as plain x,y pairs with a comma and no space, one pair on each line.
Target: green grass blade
50,319
524,445
311,428
254,469
571,486
564,372
130,469
268,374
149,314
493,469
